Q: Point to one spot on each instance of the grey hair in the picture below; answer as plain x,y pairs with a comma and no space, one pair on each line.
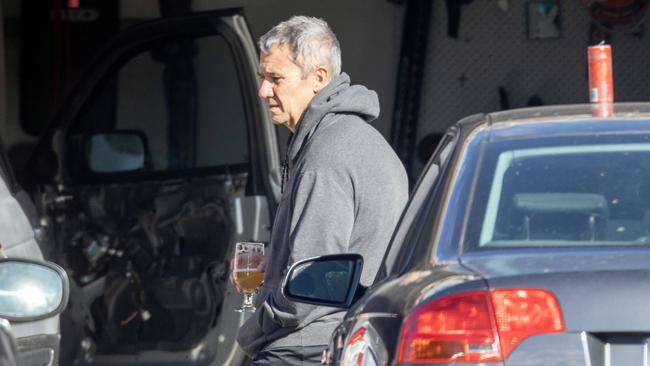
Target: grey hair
311,41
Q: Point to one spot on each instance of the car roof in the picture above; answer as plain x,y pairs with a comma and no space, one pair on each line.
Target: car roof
567,112
550,115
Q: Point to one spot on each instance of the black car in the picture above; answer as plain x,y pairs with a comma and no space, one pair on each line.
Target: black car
525,242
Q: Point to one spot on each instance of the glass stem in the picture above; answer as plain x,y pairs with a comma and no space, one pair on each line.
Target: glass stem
248,300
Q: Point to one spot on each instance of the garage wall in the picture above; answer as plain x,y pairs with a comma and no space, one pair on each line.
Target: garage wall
369,32
9,127
3,103
462,75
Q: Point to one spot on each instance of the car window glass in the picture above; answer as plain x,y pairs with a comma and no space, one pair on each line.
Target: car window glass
573,191
184,95
403,239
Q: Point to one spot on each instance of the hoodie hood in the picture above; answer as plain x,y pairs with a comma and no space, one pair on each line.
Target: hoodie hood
337,97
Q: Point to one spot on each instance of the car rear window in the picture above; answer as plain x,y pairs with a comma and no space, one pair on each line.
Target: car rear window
562,191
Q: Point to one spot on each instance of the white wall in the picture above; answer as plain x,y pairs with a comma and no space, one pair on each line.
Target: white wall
369,32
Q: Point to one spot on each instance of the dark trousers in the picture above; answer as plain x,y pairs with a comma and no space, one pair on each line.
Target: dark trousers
290,356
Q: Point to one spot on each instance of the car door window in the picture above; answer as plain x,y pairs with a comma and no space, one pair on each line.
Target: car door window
184,95
400,252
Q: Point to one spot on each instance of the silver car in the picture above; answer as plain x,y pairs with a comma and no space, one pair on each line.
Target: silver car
30,290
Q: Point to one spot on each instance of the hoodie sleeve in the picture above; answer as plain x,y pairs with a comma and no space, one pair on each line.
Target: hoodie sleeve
321,223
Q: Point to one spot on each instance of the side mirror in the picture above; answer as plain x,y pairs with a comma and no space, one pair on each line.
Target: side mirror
31,290
330,280
115,152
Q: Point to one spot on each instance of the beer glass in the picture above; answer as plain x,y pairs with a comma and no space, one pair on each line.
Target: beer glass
248,273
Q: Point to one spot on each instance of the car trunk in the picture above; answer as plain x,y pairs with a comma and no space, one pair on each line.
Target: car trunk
602,292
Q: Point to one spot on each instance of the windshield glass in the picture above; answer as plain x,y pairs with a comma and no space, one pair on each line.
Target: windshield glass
562,191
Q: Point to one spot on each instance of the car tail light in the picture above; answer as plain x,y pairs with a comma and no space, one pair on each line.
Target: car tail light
477,326
355,348
357,336
523,313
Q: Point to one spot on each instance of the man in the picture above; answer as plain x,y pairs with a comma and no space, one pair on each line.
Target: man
343,186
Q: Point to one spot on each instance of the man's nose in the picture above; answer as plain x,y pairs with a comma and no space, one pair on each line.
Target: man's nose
266,89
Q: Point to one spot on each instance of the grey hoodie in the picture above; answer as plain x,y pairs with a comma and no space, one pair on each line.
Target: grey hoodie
345,191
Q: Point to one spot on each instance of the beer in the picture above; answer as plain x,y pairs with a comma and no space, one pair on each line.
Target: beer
247,274
249,280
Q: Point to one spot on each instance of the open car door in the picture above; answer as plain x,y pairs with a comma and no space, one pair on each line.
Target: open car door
160,160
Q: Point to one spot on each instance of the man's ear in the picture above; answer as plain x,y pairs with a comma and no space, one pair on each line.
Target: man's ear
321,78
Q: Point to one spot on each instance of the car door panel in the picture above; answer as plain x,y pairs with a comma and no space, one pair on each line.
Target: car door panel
163,233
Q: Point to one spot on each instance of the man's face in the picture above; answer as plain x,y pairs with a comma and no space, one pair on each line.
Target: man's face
285,91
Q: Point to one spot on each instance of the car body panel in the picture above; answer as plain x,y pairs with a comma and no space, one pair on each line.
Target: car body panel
382,309
39,339
551,349
9,355
578,279
602,290
46,300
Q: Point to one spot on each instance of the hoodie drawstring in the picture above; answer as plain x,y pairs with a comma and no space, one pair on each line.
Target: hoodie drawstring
285,166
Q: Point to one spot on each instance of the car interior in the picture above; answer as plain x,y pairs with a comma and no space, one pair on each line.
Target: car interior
585,195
